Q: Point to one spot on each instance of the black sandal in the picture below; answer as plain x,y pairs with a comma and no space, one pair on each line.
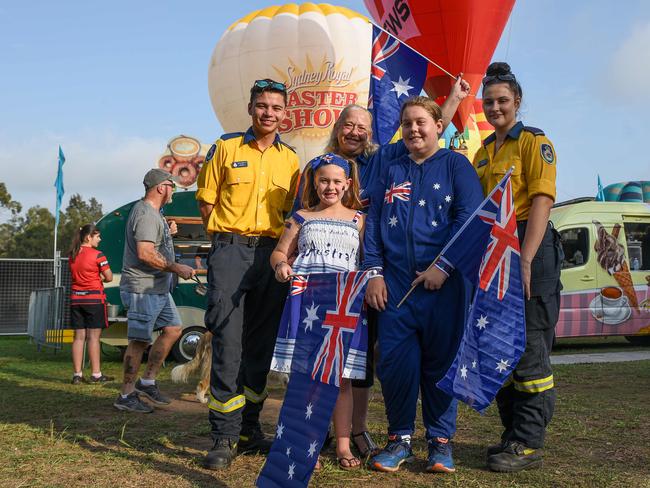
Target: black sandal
371,448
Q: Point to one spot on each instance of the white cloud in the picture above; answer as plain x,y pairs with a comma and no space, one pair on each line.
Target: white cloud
628,71
101,165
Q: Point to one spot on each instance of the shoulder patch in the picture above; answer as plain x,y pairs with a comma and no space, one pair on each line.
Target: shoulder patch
288,146
534,130
231,135
547,153
208,156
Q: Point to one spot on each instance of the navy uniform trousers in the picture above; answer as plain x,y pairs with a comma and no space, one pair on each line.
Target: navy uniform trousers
245,304
417,344
527,402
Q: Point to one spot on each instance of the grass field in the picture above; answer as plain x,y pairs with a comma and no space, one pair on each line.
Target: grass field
55,434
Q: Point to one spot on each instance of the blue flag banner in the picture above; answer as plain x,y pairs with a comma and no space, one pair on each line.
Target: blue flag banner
600,196
324,313
58,184
495,333
396,74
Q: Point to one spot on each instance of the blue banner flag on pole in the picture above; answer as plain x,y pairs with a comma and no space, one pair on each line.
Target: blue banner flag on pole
396,74
495,333
58,184
322,338
600,196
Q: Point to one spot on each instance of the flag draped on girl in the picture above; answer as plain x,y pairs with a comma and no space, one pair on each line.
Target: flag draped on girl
323,337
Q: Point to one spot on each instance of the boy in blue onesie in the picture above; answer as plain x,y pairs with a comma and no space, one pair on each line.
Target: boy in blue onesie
423,199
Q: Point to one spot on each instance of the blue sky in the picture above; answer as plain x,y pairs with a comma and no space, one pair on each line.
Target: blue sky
112,82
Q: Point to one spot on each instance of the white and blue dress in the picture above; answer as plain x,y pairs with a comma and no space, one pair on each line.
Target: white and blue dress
324,246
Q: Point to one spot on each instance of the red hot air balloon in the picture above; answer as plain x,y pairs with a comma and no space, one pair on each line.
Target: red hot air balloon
458,35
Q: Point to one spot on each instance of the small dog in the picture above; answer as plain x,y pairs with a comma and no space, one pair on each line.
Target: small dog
201,364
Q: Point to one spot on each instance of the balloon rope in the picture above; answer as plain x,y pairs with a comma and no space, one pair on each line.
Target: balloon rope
416,52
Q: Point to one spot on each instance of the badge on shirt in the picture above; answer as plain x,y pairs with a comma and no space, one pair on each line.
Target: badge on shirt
547,153
240,164
481,163
208,156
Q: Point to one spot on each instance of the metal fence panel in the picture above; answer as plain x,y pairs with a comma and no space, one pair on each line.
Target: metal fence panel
45,317
18,278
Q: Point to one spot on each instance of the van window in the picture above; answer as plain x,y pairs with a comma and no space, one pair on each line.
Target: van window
575,243
192,254
637,236
191,245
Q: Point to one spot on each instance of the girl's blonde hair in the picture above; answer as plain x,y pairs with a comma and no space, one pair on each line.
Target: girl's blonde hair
351,198
426,103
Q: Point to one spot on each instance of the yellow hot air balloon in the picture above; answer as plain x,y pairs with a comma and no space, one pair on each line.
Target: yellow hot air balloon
322,54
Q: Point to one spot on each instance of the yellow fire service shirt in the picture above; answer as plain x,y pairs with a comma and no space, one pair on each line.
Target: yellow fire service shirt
251,190
533,157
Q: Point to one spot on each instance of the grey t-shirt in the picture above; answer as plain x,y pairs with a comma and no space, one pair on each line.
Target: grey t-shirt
145,223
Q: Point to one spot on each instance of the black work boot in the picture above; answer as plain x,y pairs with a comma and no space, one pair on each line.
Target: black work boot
515,457
254,442
496,448
221,454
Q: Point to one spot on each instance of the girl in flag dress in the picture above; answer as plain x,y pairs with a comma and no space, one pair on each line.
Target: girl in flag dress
326,237
423,198
526,402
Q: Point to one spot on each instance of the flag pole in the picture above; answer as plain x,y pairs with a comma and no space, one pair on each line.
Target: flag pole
459,232
416,52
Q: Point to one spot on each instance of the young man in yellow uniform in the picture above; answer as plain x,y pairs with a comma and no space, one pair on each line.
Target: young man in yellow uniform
245,188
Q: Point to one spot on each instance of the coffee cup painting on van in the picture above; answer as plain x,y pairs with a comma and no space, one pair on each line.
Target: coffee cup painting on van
611,306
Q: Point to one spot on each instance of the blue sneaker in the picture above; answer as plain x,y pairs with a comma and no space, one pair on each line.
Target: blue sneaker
396,452
440,460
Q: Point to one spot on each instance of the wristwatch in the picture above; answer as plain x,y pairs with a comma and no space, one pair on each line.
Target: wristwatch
375,273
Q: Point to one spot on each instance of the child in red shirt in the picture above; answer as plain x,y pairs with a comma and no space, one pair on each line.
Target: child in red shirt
89,269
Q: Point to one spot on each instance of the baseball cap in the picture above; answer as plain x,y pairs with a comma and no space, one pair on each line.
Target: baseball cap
156,176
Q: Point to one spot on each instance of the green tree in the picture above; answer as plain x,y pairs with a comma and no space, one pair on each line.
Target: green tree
6,201
32,235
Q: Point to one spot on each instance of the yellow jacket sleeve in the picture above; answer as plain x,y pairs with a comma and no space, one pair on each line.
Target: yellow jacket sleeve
539,165
293,188
210,177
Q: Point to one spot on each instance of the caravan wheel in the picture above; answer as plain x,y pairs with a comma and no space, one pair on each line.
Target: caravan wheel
185,347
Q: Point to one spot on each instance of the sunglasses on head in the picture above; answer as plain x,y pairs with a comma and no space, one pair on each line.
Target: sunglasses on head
270,84
492,78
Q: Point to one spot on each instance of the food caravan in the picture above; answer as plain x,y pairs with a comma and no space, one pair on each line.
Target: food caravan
606,269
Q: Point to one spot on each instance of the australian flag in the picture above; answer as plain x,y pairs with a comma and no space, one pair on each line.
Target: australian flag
323,337
396,74
495,333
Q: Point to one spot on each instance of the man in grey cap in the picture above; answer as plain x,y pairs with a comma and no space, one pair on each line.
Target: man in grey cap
145,291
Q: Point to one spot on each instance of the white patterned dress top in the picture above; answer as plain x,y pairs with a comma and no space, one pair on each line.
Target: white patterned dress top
327,245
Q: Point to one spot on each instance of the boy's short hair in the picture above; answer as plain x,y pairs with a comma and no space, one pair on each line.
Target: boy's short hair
426,103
